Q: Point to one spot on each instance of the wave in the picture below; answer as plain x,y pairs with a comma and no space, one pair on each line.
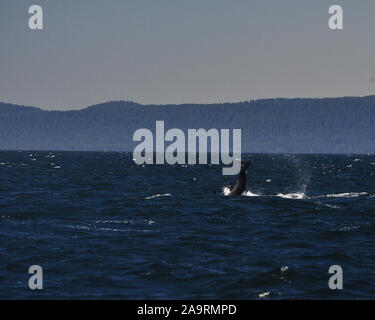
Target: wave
346,195
158,195
114,221
299,195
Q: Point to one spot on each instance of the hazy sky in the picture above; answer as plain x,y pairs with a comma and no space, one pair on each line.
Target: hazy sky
176,51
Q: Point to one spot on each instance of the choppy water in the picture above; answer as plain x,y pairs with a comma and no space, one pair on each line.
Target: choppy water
102,227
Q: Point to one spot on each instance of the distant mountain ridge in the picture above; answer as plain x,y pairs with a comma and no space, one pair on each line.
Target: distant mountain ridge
328,125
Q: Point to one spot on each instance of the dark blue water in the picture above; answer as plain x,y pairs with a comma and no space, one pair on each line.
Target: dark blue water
102,227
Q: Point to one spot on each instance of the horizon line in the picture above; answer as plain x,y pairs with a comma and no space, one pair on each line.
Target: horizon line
183,103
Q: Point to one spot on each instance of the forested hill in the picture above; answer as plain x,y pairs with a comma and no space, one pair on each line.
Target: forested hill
331,125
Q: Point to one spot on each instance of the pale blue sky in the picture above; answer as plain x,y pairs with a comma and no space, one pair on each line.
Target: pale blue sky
203,51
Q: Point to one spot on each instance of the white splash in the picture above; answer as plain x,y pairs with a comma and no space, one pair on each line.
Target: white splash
226,191
297,195
248,193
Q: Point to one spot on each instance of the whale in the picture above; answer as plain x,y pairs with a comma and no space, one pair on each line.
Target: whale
240,186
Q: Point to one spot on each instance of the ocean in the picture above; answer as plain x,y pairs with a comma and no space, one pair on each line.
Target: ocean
102,227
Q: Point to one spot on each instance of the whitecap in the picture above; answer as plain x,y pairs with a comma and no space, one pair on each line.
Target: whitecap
346,195
109,229
346,228
115,221
332,206
284,268
264,294
158,195
78,227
